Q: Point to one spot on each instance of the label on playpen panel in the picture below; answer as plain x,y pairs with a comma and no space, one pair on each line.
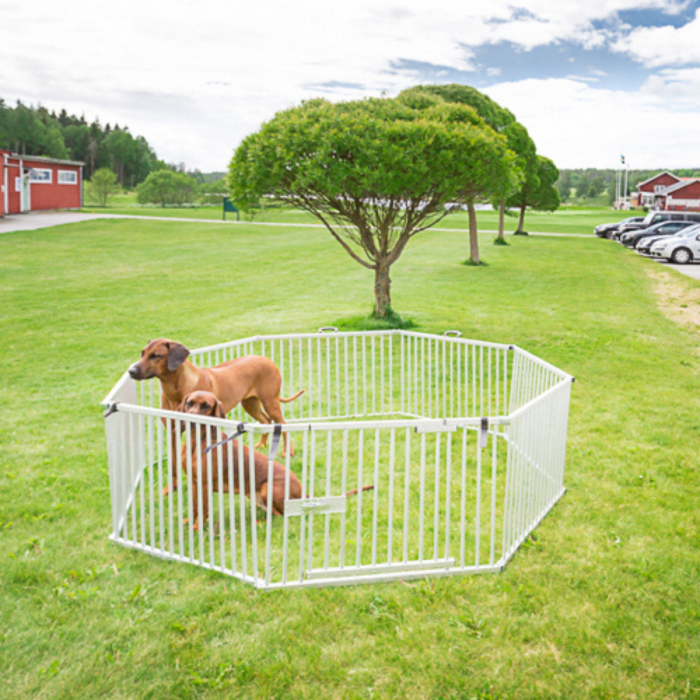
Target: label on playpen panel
315,506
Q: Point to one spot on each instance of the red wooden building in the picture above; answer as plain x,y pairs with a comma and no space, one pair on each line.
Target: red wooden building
669,192
683,196
33,183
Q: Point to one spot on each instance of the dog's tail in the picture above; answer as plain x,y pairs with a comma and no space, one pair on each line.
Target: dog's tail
291,398
364,488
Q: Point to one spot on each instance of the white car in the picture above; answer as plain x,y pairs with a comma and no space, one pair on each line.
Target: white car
682,248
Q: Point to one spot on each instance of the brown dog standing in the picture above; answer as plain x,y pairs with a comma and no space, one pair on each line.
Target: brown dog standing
252,381
204,403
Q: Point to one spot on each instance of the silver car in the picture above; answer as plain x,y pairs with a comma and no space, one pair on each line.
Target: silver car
682,248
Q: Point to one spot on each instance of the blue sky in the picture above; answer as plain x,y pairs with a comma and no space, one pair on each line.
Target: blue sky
589,80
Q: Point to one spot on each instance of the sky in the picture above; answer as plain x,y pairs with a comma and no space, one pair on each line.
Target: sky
591,81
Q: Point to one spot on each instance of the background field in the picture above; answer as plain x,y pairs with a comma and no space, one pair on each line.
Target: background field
566,220
601,602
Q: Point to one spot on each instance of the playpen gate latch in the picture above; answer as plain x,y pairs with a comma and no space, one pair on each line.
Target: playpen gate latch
484,433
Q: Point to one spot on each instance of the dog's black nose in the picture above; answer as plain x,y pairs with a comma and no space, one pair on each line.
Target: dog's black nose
133,372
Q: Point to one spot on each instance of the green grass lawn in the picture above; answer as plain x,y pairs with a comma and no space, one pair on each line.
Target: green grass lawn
579,220
601,602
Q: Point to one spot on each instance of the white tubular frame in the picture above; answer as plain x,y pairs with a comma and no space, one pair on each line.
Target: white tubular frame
463,442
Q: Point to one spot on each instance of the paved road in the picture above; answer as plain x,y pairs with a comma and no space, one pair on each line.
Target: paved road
39,220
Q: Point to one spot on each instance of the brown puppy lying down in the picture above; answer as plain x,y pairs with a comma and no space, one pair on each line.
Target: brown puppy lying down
204,403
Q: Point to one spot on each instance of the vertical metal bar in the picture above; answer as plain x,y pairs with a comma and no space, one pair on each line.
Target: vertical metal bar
436,496
354,345
382,383
151,487
285,535
132,483
444,378
312,479
347,381
478,503
493,496
481,381
319,367
210,492
310,370
159,462
180,484
360,460
375,494
390,344
327,534
422,382
364,373
448,493
253,502
374,377
268,519
304,490
172,463
190,490
242,493
406,491
199,472
421,511
231,502
343,490
431,412
329,411
220,478
390,534
402,343
141,466
488,393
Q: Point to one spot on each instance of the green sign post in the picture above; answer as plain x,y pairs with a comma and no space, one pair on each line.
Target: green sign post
230,206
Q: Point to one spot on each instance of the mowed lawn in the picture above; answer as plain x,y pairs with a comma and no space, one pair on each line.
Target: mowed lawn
603,600
566,220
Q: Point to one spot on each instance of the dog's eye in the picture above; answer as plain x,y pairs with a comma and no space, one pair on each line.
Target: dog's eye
155,356
206,406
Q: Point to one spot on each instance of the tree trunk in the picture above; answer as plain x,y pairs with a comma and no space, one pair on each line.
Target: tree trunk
501,219
521,222
382,291
473,238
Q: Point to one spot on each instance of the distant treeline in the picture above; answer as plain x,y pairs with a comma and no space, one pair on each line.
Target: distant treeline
591,183
36,131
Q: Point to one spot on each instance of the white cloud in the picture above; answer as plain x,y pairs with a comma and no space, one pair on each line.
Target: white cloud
662,46
579,125
195,79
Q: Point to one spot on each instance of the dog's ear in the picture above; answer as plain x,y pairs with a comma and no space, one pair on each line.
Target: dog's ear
219,412
177,354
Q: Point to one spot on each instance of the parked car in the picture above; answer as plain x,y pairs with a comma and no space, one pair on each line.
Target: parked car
665,228
682,248
606,230
656,217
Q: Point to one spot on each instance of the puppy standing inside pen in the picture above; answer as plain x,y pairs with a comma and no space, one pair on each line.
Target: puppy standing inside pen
252,381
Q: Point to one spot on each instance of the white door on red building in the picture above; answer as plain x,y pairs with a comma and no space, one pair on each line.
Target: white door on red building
25,193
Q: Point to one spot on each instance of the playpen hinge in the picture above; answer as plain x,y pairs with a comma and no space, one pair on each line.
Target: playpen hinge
111,409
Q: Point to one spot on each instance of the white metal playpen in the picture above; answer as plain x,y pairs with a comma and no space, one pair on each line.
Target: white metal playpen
463,442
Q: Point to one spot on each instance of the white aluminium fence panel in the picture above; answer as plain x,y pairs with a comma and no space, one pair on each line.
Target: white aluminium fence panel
463,444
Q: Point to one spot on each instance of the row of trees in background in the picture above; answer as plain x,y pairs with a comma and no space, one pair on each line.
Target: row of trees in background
584,185
36,131
377,172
